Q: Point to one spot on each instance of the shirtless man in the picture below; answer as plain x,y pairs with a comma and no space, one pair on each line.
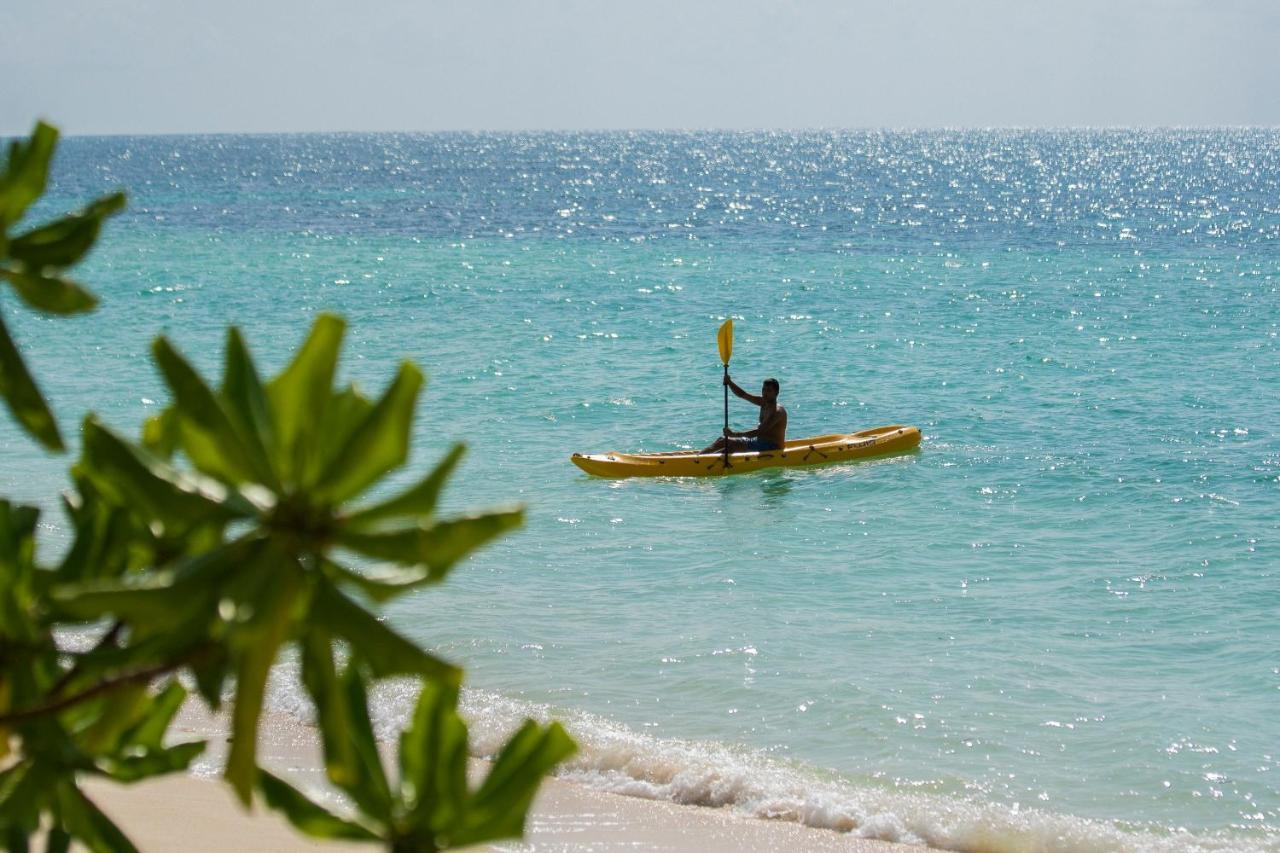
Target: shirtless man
771,434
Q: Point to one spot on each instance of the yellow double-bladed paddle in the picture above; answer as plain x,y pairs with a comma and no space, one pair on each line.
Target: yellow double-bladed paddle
724,339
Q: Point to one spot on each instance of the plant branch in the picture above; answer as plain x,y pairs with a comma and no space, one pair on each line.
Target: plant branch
135,677
108,639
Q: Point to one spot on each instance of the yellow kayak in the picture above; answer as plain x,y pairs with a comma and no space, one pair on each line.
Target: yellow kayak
819,450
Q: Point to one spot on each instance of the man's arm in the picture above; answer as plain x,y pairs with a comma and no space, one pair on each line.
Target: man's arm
738,392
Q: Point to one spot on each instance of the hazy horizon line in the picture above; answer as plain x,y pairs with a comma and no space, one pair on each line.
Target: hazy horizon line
672,130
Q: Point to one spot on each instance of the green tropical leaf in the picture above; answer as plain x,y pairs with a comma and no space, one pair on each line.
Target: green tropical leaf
208,437
437,546
433,761
499,808
418,502
52,294
386,652
133,477
161,433
210,673
299,395
381,584
158,599
374,793
23,397
379,444
321,680
308,817
65,241
26,173
17,543
149,731
151,762
118,711
347,762
88,824
269,625
105,540
345,412
246,398
59,841
15,839
24,790
10,776
21,618
251,679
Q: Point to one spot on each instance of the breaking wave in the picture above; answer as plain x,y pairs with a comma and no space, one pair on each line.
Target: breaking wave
615,758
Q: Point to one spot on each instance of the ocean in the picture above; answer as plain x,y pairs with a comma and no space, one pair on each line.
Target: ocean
1054,627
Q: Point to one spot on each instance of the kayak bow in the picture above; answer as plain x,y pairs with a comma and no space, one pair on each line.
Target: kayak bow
819,450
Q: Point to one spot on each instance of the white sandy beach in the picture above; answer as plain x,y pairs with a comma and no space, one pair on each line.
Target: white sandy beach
198,814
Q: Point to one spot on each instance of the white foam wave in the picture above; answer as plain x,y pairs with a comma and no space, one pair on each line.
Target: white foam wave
615,758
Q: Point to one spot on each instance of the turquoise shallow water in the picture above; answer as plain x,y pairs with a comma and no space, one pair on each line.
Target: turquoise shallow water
1058,619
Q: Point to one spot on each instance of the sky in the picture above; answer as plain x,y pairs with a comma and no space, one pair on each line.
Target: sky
176,66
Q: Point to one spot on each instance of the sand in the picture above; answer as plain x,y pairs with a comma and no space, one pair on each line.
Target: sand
197,813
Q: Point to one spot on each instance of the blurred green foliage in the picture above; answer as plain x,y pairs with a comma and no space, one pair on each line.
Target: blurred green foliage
34,263
203,551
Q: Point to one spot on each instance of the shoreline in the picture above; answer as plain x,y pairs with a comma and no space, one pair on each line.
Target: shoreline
196,812
200,815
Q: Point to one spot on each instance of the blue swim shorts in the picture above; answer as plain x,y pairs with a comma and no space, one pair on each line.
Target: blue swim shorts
750,445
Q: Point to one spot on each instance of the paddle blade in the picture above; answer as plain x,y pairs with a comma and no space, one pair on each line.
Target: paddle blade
724,338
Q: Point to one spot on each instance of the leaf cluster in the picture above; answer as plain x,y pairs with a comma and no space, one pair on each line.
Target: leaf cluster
204,550
34,263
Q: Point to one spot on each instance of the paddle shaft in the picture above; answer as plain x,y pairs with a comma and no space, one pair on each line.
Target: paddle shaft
724,341
726,415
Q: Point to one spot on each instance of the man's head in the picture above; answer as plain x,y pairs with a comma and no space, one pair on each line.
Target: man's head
770,389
